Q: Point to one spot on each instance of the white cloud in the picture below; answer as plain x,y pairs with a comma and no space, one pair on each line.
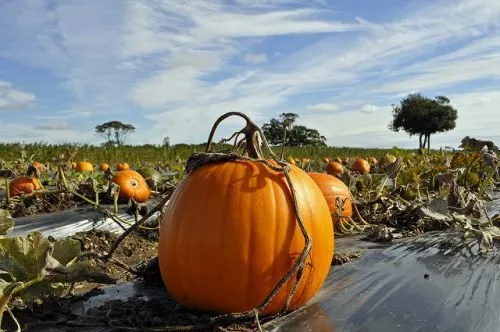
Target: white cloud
368,109
53,126
255,59
174,60
323,107
14,99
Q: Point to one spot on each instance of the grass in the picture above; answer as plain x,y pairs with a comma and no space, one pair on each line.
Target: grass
150,154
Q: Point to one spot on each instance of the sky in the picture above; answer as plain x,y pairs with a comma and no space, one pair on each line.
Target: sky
172,67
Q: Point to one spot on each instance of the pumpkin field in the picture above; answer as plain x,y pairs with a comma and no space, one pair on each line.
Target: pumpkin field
234,235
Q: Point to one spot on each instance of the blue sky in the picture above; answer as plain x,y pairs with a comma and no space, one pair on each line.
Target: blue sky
172,67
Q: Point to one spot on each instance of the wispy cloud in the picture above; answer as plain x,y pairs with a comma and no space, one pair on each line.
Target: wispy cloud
177,65
255,59
323,107
14,99
53,126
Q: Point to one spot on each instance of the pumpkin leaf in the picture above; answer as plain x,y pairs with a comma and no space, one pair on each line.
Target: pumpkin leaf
6,222
66,250
24,257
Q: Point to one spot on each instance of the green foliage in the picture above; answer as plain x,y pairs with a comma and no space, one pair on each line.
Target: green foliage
34,266
419,115
295,135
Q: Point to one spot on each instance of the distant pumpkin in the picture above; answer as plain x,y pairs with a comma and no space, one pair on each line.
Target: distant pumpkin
326,160
132,185
84,166
23,184
122,166
387,159
334,168
39,166
372,161
104,167
291,160
332,187
361,166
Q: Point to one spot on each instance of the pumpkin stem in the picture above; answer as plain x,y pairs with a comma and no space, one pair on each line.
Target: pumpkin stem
252,136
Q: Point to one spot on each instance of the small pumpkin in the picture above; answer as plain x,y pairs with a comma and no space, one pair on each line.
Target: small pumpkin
387,159
132,185
338,160
122,166
372,161
39,166
23,184
326,160
291,160
152,176
334,168
361,166
84,166
73,165
104,167
332,187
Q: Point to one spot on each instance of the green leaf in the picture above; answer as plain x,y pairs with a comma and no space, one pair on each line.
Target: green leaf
25,257
66,250
6,222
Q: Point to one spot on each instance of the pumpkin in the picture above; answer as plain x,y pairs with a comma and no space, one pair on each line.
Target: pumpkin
372,161
326,160
334,168
23,184
338,160
387,159
229,234
132,185
122,166
104,167
39,166
84,166
361,166
152,176
73,165
332,187
292,161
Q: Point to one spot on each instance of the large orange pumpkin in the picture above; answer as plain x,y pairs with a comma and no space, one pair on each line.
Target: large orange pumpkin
132,185
361,166
84,166
23,184
122,166
229,234
332,187
334,168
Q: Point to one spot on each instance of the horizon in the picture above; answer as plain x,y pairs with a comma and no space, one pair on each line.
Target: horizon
172,69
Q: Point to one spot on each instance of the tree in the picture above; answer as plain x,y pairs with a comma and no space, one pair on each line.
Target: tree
294,135
115,132
419,115
166,142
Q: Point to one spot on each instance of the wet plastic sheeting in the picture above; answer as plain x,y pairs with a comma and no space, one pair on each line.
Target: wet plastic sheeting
387,291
